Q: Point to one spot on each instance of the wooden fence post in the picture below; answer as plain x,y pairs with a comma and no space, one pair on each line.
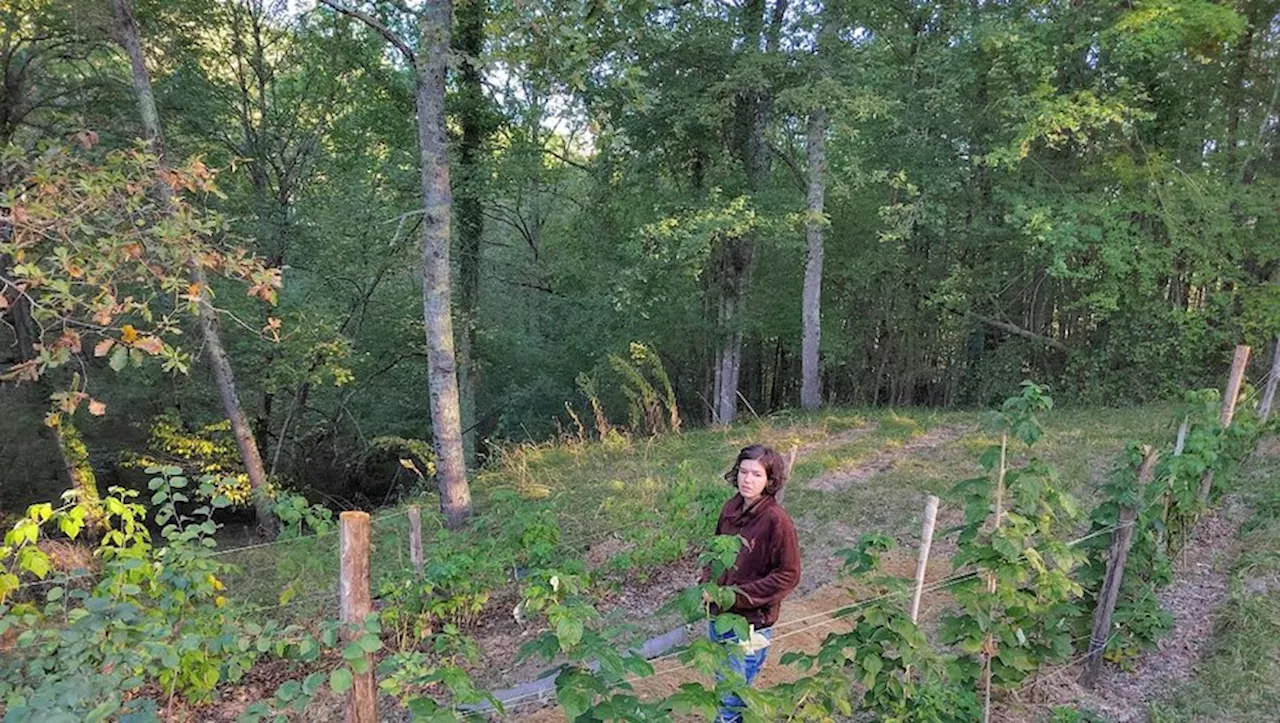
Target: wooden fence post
356,603
415,540
926,541
791,463
1273,378
989,645
1238,365
1121,539
1178,446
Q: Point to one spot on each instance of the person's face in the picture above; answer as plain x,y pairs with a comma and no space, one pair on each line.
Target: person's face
751,479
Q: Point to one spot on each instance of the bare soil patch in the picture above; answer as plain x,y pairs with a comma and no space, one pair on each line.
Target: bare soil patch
804,624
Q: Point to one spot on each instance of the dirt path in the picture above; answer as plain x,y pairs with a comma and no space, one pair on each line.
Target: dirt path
836,440
1199,589
885,459
804,624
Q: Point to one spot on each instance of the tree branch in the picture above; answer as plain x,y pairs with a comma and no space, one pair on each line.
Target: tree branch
374,23
801,182
566,159
1013,329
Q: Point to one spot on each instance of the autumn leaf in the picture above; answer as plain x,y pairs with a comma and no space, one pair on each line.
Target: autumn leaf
128,334
272,328
97,408
69,402
151,345
71,340
103,347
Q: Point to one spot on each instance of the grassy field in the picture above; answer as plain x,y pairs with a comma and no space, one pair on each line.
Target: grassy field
631,509
639,502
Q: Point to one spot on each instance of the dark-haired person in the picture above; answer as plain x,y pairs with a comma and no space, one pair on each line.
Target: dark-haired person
768,564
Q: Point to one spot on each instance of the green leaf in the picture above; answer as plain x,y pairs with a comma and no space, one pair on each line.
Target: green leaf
872,664
288,691
370,643
575,701
569,633
312,684
340,680
70,526
119,358
103,710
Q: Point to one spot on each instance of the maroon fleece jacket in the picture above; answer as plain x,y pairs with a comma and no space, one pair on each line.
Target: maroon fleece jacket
768,566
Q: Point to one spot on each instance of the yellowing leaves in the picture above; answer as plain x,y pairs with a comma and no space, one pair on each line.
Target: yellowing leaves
83,231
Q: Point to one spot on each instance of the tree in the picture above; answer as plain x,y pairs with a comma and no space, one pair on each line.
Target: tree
429,62
761,33
127,29
478,122
814,224
105,270
816,151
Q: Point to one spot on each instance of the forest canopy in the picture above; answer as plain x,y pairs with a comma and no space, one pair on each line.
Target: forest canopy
640,202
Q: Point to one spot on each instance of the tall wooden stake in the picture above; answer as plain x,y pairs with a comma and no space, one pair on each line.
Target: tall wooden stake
922,564
1121,539
1178,446
791,463
415,540
989,647
1269,396
355,605
1238,365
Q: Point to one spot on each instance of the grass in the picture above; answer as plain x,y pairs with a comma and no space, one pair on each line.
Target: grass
629,487
1239,680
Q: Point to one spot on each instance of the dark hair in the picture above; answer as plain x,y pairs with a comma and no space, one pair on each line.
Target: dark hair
775,469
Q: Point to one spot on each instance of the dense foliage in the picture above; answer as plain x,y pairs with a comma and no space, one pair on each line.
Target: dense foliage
1080,192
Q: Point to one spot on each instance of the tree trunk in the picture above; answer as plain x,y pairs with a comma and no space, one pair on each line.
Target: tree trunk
470,44
752,118
128,36
437,198
726,404
811,336
79,472
1237,89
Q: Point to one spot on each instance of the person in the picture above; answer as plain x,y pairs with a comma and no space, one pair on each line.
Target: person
768,564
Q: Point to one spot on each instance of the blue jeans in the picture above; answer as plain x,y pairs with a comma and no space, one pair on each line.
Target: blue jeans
741,663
